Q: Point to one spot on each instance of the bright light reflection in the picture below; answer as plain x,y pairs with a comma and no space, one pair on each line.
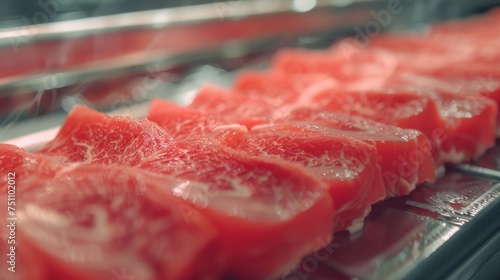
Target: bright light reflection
303,5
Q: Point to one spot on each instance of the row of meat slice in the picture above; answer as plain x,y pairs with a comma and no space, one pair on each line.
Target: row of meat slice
118,195
446,118
358,158
95,196
244,182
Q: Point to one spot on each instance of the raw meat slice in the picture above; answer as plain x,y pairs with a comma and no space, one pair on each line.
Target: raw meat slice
470,119
478,45
371,67
478,74
25,167
19,170
374,66
277,89
186,123
244,107
446,118
406,110
90,137
466,41
17,269
443,91
471,123
105,222
453,121
345,186
486,86
468,59
349,167
320,150
317,90
472,79
405,156
245,110
384,107
268,213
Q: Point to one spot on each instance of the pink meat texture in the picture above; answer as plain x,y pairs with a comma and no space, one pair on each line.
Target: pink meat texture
246,181
404,155
263,209
348,166
448,119
89,137
96,222
244,200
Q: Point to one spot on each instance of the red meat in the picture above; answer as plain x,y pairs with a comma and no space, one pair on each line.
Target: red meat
446,118
246,110
348,166
370,66
269,214
186,123
353,175
402,109
100,222
252,204
91,137
19,171
276,89
27,167
463,52
407,110
449,121
470,119
404,155
404,163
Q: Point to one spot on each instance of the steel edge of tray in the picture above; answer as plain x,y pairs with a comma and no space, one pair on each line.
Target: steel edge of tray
162,18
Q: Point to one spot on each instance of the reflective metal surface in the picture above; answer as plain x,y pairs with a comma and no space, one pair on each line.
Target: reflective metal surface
401,234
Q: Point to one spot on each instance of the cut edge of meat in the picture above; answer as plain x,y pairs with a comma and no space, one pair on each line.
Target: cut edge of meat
92,248
91,137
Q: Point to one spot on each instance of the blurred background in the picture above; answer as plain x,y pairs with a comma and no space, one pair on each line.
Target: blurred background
119,54
13,11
